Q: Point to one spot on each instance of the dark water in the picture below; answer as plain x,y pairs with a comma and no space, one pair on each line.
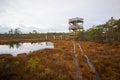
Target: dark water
14,49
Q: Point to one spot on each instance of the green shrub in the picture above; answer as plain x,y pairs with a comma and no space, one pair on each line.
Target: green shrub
16,62
33,63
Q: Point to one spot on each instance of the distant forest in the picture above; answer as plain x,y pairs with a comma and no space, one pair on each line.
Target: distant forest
108,32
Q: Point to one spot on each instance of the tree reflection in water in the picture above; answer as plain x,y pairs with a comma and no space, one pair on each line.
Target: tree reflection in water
16,45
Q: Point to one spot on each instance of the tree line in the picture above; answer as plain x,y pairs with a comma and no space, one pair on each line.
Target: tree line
108,32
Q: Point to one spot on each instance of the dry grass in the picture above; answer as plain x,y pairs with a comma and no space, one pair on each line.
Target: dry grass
48,64
106,59
58,63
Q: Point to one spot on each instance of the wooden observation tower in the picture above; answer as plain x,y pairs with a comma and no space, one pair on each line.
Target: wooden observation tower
75,24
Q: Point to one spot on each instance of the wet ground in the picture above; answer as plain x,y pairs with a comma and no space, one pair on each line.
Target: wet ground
104,57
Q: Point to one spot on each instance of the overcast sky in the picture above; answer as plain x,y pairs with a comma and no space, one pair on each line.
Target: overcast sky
53,15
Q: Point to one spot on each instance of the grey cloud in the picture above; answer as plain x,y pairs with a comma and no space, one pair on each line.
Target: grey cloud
4,28
2,11
47,15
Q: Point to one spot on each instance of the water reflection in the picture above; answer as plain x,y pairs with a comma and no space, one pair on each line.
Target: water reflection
14,49
17,45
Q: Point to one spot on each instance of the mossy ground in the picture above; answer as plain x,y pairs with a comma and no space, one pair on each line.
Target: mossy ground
58,63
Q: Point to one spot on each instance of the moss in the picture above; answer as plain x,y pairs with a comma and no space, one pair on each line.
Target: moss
17,62
33,63
58,63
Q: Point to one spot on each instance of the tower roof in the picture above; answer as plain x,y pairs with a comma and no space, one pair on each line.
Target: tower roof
77,19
